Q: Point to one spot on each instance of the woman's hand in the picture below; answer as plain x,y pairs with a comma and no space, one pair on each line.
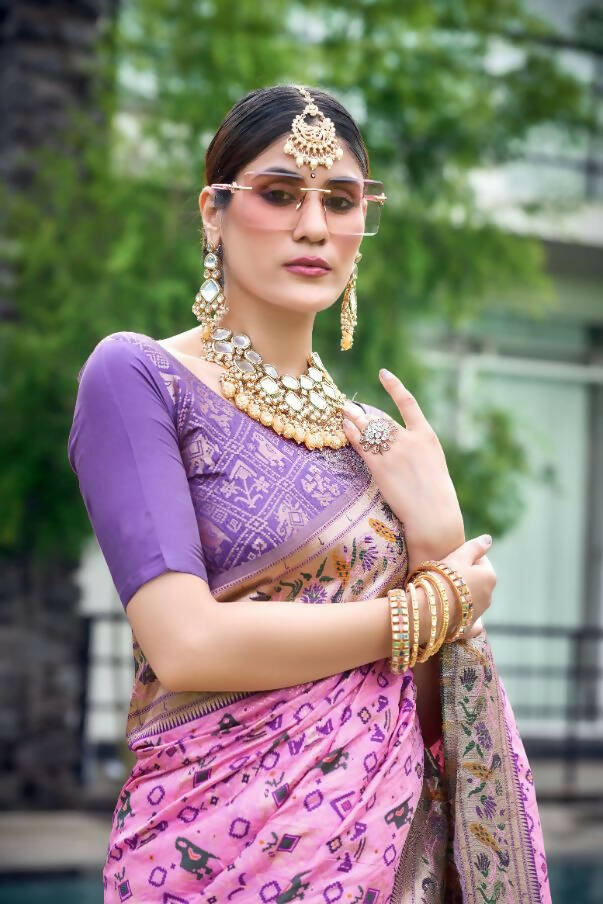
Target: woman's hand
474,566
413,477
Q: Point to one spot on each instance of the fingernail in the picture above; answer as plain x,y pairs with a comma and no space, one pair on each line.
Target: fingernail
487,539
346,424
384,373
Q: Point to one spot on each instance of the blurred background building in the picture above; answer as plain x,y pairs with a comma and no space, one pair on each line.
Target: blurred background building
547,372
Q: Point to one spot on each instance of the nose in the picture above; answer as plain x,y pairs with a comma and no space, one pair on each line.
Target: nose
312,219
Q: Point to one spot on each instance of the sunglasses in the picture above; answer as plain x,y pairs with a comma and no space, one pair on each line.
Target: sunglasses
271,200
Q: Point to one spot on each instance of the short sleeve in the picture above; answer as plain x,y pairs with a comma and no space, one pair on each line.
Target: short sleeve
123,447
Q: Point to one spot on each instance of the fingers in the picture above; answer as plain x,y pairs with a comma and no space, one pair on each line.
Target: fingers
476,628
355,413
476,549
354,422
405,401
352,432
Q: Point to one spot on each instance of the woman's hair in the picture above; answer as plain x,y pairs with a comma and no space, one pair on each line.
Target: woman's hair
260,117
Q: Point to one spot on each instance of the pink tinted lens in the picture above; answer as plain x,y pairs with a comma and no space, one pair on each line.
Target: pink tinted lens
272,201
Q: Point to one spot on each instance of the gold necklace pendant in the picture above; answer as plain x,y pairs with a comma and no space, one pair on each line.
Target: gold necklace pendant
306,409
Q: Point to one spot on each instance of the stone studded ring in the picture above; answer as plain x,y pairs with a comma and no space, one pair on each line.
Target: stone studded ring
377,434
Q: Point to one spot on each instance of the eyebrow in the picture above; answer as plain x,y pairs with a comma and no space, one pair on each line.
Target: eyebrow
289,172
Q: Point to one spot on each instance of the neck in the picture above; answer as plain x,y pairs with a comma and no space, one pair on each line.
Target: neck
281,336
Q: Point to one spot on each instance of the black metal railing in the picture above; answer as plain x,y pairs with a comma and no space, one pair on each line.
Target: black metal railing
581,671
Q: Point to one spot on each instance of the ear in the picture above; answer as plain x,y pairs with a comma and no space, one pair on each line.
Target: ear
210,215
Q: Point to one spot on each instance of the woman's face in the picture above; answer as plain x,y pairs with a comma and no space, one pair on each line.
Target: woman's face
255,258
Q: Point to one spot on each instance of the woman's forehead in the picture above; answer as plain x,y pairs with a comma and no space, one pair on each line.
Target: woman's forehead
274,156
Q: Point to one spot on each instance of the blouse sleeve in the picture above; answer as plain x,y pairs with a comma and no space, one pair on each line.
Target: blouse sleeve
123,447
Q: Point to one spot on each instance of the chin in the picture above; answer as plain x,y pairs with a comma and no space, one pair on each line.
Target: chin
312,301
303,297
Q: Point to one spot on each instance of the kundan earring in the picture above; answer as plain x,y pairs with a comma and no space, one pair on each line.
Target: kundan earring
349,308
210,303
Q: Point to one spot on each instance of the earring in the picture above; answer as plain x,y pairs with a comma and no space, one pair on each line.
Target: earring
349,308
210,302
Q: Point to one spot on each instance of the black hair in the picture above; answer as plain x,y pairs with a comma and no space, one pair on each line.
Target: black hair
260,117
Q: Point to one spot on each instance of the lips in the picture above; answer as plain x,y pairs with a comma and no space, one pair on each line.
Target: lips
318,262
302,270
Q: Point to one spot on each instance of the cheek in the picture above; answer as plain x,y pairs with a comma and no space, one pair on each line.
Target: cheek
249,256
347,248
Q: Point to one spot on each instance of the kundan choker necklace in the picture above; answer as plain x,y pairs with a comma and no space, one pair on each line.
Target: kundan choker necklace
306,409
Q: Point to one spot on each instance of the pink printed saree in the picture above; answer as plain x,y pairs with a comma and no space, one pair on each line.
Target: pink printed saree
325,791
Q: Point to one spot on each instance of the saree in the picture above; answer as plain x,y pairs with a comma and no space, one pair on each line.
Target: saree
323,791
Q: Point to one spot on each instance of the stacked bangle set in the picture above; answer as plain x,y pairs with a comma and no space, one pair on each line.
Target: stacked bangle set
406,651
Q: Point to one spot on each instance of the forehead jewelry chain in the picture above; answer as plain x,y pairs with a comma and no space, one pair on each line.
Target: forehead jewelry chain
315,144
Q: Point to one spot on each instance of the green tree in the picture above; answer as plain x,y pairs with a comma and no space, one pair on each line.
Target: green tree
106,238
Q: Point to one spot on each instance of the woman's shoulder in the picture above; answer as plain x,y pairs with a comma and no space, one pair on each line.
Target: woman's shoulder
117,384
131,367
119,352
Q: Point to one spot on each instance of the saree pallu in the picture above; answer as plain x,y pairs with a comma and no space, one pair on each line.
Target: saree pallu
325,791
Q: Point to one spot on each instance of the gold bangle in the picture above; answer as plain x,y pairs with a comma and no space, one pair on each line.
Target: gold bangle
394,661
415,625
426,653
400,630
438,583
461,589
405,633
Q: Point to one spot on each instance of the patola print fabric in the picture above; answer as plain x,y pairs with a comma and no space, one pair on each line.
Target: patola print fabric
324,791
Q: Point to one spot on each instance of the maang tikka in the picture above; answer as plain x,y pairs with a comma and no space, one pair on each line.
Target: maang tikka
314,144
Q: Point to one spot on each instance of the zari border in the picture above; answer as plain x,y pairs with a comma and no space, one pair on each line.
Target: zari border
492,846
203,704
293,555
421,872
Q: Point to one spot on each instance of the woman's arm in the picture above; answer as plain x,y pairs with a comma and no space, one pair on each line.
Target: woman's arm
195,643
429,710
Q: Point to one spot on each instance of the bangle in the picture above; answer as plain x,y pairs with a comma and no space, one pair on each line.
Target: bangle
438,583
415,625
426,652
400,630
461,589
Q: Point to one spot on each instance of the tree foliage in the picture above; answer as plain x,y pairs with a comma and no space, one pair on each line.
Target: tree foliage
107,236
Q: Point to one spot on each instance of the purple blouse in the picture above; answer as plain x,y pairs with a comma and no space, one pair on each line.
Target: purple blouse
175,477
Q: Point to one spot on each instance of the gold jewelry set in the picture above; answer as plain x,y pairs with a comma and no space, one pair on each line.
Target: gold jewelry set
307,408
406,651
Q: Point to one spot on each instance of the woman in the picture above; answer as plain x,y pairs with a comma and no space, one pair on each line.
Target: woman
278,754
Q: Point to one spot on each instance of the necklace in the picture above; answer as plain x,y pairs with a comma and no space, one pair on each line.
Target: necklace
305,408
